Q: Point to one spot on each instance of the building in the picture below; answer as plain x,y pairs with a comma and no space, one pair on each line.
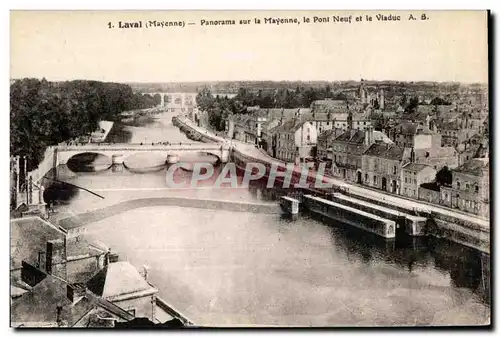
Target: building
117,294
44,245
348,149
424,144
121,284
329,106
266,133
460,130
344,121
242,129
413,135
324,143
53,302
470,190
295,141
413,175
381,166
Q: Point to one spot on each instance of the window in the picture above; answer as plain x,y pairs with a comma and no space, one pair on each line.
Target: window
374,179
467,186
458,184
413,192
308,138
476,189
327,123
406,180
405,190
366,176
394,169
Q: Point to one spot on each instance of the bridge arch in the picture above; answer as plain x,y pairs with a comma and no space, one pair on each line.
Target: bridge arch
89,161
120,152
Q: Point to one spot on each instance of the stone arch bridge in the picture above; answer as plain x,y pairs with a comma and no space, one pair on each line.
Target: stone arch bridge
175,98
119,152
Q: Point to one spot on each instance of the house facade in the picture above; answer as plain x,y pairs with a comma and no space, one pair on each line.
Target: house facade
413,175
324,143
381,166
470,188
295,141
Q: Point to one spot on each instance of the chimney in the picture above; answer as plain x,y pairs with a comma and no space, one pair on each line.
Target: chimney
369,136
42,261
55,261
75,292
112,257
59,315
144,272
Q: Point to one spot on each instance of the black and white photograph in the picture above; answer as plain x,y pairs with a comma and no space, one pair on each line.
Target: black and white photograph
180,169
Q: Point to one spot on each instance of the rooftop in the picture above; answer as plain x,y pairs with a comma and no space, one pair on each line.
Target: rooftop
28,237
475,166
411,128
329,133
119,280
289,126
383,150
40,304
415,167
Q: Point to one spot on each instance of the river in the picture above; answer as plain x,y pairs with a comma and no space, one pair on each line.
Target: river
224,268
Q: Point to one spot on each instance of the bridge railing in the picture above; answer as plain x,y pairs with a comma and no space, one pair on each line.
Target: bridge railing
114,145
182,146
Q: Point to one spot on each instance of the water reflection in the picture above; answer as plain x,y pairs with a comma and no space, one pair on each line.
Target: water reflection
89,162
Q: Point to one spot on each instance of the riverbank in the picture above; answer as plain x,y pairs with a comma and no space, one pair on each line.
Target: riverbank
230,268
458,227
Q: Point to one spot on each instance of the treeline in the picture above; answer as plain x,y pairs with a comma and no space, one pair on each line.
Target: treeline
233,86
220,107
46,113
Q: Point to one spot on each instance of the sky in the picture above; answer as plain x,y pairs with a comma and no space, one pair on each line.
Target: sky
58,45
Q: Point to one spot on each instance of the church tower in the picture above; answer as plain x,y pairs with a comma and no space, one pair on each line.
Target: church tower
362,92
381,101
349,121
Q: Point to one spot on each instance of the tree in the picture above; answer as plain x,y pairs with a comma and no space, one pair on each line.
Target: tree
205,100
43,113
439,101
157,99
444,177
412,106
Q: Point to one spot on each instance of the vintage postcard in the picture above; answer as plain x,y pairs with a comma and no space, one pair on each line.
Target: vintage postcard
177,169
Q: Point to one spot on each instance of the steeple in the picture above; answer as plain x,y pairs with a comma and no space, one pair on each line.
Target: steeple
362,91
349,120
